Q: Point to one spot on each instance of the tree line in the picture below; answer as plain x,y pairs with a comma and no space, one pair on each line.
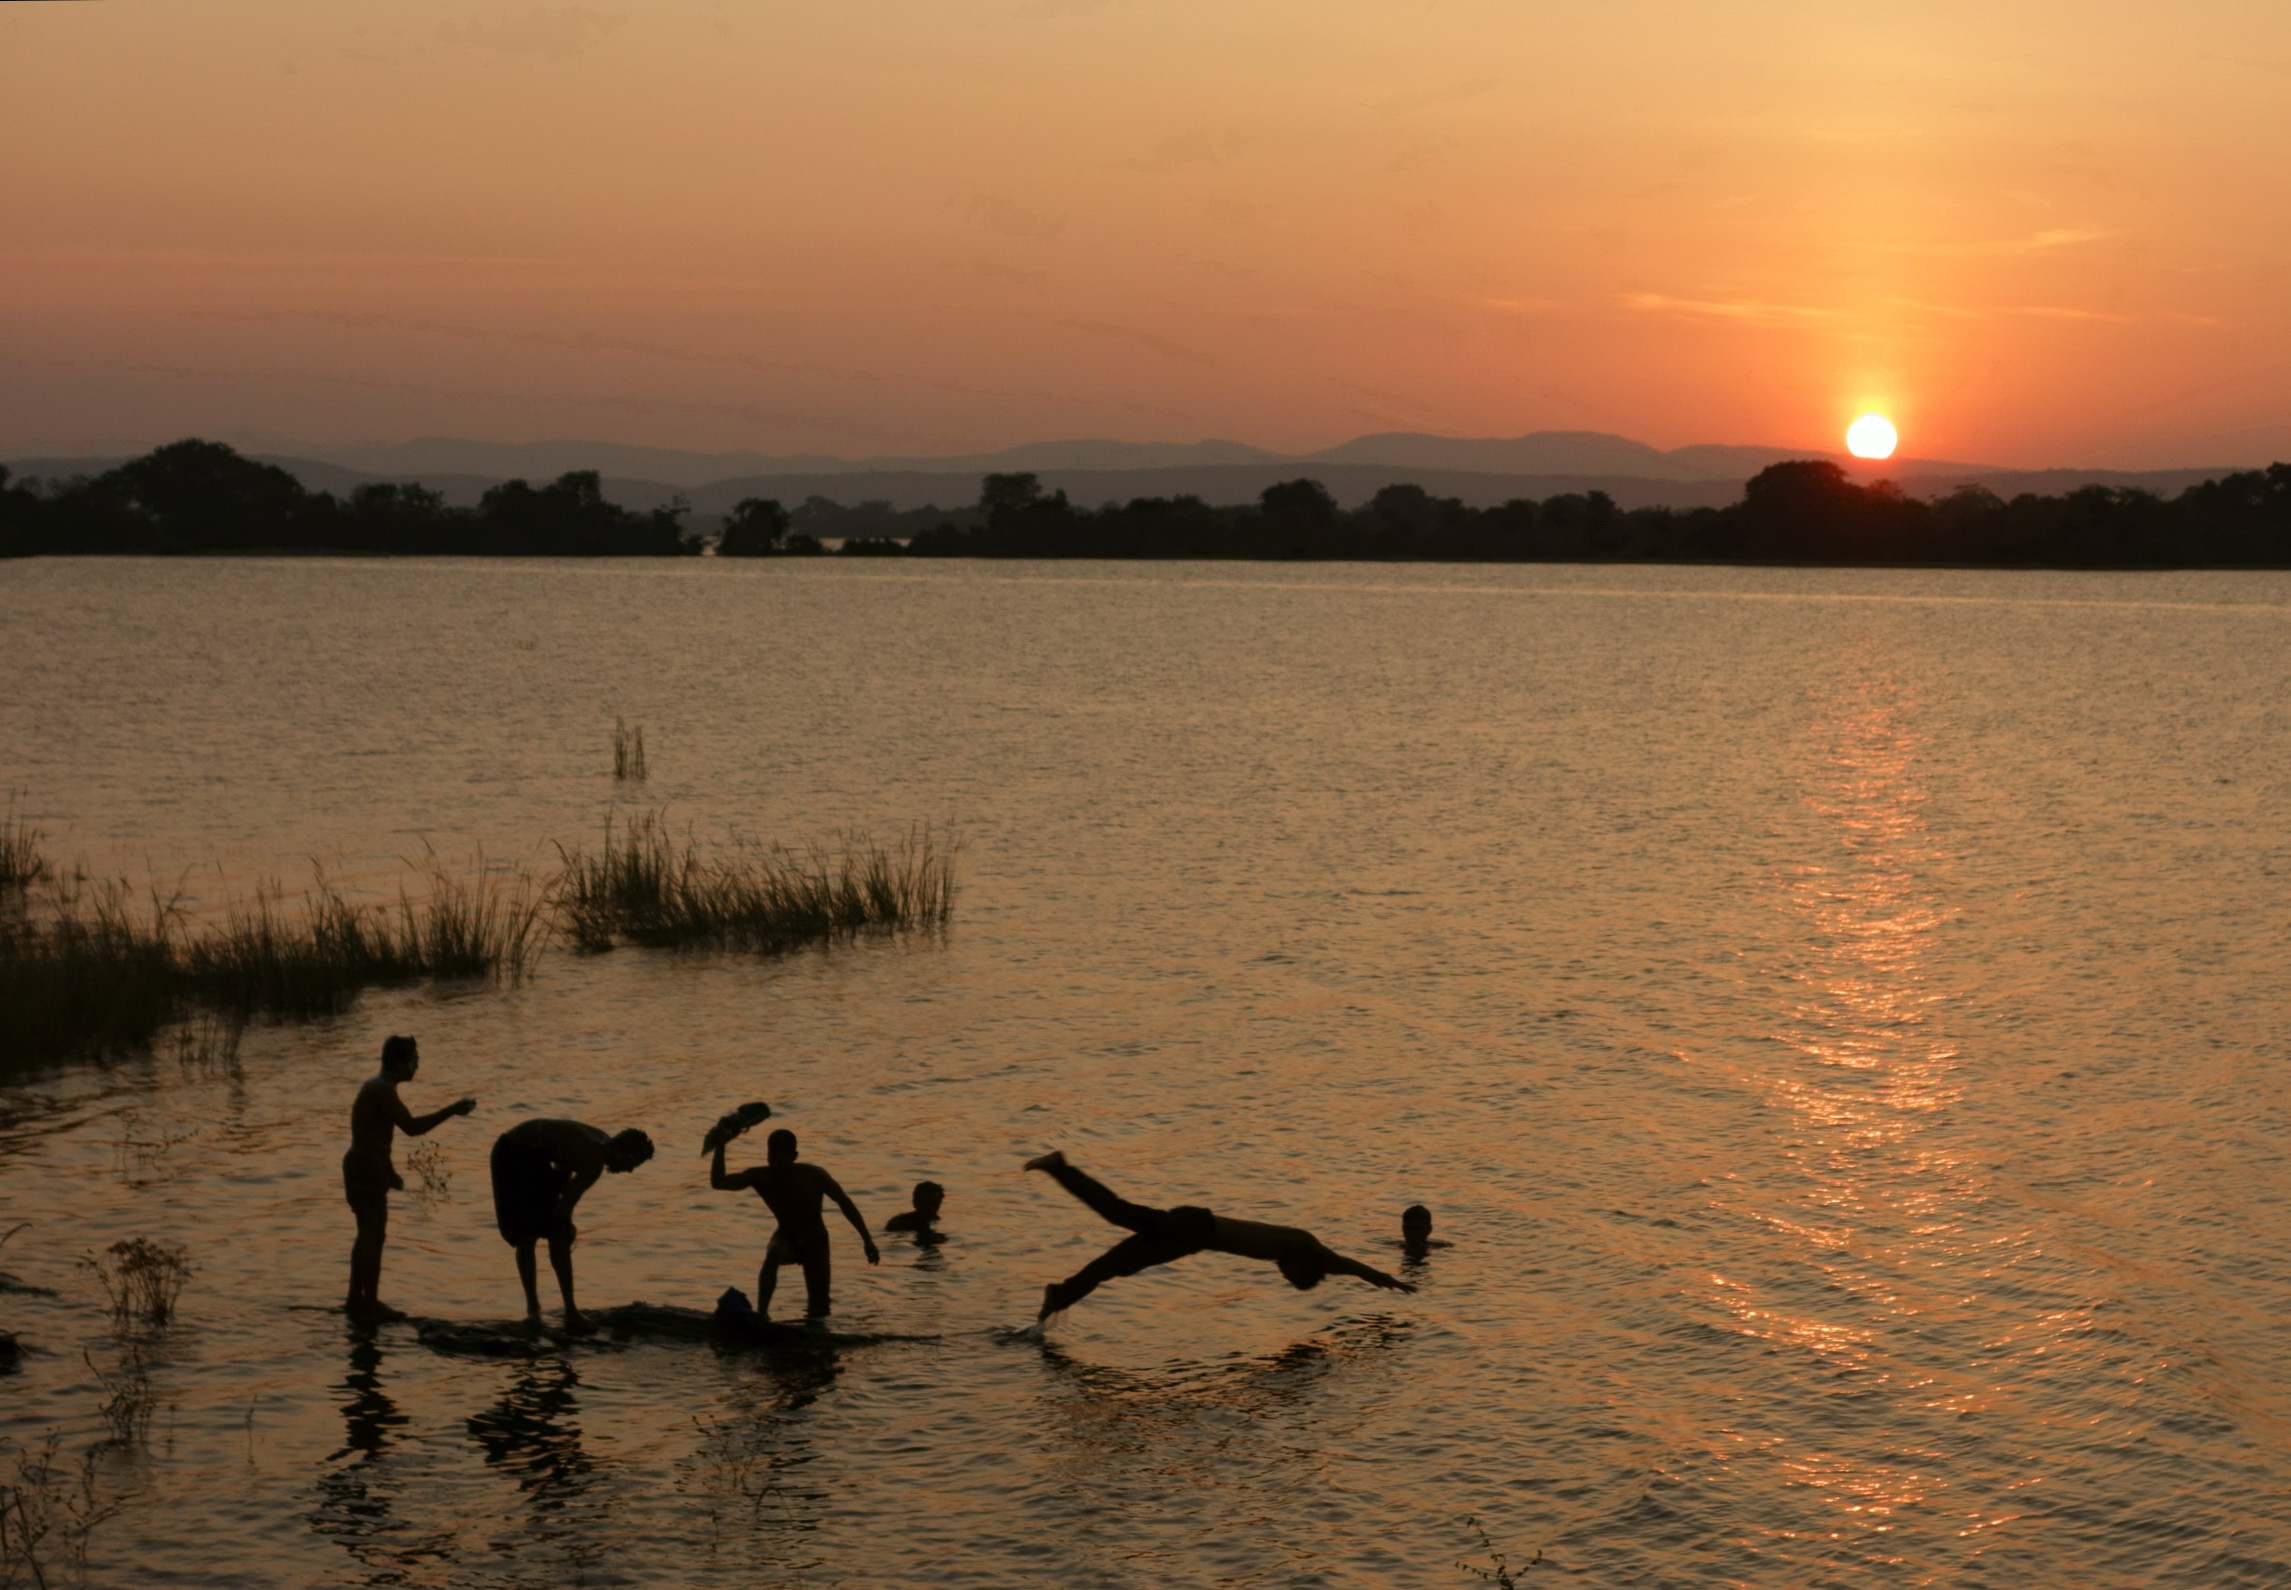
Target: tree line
194,496
202,497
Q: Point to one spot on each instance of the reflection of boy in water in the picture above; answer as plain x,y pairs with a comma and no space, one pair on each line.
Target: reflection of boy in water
793,1191
368,1177
540,1169
1166,1234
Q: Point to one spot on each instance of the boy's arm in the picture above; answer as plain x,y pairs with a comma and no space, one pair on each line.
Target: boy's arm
829,1186
582,1181
419,1125
722,1181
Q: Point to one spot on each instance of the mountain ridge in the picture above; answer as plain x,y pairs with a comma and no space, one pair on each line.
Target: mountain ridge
1577,453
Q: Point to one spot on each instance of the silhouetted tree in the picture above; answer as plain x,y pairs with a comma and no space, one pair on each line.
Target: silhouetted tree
1003,496
753,528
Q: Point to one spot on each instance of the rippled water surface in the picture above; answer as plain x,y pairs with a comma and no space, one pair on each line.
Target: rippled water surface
1839,1020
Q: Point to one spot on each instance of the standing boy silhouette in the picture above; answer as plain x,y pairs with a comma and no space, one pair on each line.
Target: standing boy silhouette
794,1192
368,1177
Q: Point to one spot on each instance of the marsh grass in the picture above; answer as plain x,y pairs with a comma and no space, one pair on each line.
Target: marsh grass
628,751
21,864
643,887
87,969
88,974
266,960
83,971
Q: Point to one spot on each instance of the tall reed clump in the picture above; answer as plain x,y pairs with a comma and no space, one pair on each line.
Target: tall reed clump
262,961
628,751
82,973
21,864
644,888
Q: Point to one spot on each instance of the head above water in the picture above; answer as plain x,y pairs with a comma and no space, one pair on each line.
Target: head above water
928,1196
400,1055
779,1148
1416,1223
627,1150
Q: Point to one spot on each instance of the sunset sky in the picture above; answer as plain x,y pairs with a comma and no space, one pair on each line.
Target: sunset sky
2032,233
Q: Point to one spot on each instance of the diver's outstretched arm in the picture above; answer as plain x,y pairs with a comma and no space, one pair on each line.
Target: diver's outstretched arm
1338,1264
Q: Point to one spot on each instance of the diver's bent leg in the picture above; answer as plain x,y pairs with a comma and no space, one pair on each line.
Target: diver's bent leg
1126,1257
1101,1198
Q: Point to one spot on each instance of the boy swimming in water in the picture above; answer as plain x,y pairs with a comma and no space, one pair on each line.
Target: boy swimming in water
368,1177
540,1170
793,1191
1163,1235
930,1197
1416,1232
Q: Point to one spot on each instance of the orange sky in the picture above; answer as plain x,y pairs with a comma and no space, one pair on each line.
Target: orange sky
2033,233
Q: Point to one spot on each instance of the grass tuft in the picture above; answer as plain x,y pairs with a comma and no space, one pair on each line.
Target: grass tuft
142,1278
642,887
628,751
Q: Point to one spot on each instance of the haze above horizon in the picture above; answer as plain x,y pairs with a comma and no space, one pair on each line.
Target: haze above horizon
2032,235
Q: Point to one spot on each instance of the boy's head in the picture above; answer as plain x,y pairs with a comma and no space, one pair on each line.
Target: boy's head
399,1055
627,1150
1416,1223
779,1148
928,1196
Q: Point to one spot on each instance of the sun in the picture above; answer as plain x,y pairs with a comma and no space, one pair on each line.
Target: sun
1871,436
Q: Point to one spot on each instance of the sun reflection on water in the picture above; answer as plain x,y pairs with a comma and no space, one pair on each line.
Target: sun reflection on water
1871,1208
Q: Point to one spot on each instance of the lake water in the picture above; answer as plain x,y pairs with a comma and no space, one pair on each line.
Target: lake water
1838,1018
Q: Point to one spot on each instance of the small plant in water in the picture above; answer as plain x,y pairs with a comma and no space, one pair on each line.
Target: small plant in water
139,1158
1499,1571
628,751
142,1278
128,1397
205,1043
47,1502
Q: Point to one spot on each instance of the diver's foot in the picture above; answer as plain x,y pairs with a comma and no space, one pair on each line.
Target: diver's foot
372,1311
1054,1160
1055,1300
579,1323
